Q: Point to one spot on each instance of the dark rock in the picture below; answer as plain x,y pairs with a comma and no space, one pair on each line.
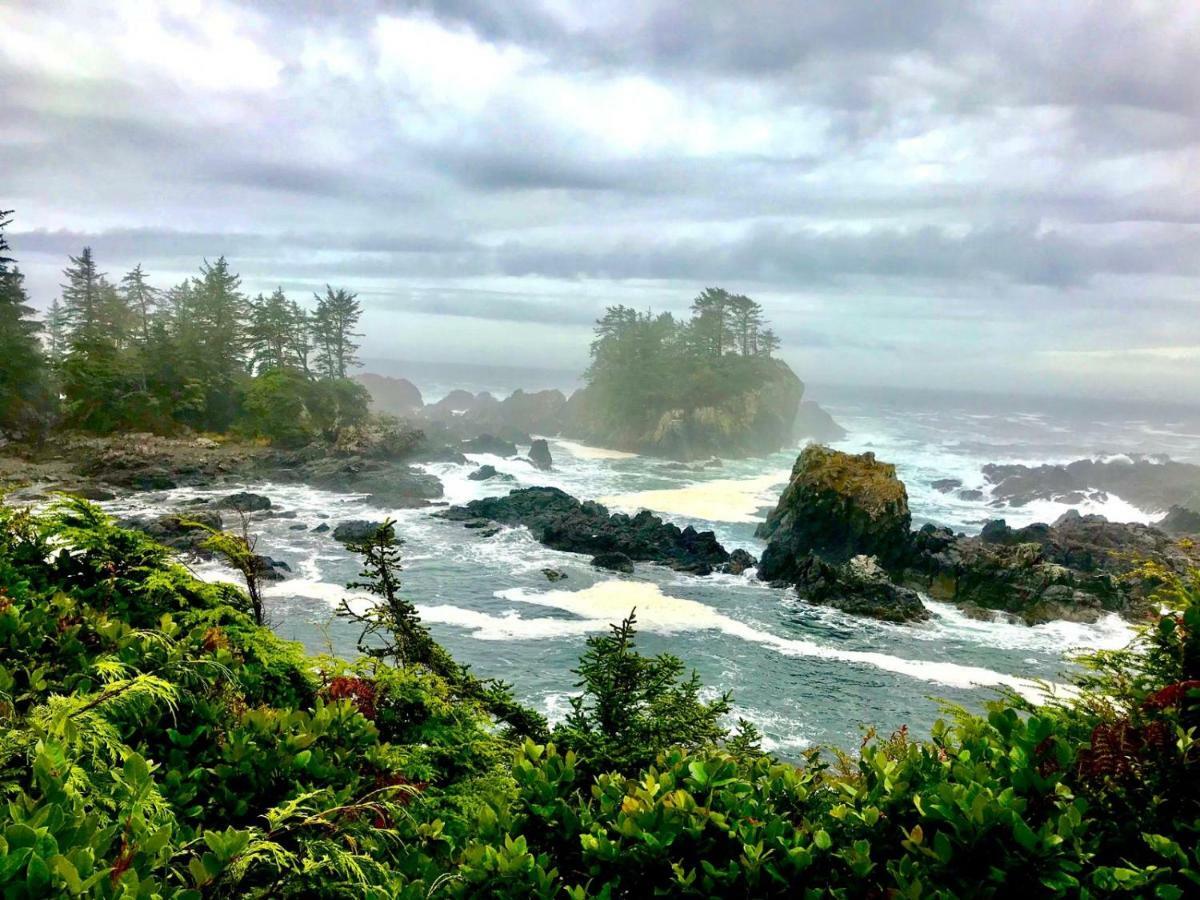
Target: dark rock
554,574
491,531
489,443
355,530
739,562
614,561
539,455
836,506
1149,482
1180,521
299,526
244,501
387,484
92,492
270,569
970,494
483,473
558,520
860,587
946,485
322,528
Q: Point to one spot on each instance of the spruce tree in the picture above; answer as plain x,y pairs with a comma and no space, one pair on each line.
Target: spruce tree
141,300
83,300
273,345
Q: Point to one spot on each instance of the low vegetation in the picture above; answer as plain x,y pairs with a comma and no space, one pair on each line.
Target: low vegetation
156,742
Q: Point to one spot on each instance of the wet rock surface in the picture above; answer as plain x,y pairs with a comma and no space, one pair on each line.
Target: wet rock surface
558,520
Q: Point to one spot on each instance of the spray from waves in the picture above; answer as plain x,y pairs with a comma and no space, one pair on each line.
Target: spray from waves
722,500
610,601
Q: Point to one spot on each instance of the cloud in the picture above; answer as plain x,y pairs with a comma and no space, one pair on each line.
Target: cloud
895,181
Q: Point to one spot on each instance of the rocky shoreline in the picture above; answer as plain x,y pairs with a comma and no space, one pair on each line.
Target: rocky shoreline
841,535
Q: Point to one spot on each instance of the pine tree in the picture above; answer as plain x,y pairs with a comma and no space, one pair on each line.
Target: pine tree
768,343
300,337
336,316
711,325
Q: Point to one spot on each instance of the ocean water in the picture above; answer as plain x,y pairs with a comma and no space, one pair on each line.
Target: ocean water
805,675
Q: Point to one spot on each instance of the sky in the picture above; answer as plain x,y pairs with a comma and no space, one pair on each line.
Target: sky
983,196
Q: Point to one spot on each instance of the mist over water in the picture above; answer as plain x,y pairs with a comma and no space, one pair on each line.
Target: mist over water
805,674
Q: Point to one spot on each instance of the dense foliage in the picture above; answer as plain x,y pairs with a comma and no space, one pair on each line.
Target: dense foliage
202,355
645,363
156,742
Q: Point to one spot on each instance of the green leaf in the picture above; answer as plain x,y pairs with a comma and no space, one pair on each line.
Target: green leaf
822,839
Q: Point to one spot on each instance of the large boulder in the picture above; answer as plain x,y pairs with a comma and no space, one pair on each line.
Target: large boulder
836,506
489,443
558,520
355,530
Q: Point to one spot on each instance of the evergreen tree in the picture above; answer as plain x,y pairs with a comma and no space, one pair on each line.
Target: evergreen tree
24,395
83,301
141,299
768,343
273,320
334,321
300,337
57,333
712,313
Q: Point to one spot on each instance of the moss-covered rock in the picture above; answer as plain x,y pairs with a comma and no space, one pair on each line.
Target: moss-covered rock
836,506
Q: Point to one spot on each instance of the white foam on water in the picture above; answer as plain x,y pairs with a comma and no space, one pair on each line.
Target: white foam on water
583,451
720,500
611,601
1110,632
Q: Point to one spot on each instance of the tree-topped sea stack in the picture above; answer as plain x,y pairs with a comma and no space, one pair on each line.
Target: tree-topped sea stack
837,506
687,389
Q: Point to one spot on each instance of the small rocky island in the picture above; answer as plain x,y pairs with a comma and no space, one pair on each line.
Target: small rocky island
841,535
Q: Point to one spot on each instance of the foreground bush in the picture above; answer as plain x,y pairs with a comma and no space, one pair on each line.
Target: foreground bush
155,742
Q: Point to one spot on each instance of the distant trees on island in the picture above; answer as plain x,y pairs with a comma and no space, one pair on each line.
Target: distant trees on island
644,362
127,356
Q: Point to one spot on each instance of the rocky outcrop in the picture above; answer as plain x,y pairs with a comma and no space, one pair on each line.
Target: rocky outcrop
396,396
1149,482
184,532
841,536
813,423
513,418
539,455
754,422
1078,568
836,506
558,520
483,473
860,587
386,484
614,561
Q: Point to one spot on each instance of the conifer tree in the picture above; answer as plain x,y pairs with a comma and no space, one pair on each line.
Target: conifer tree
83,301
57,333
141,300
23,387
334,321
272,342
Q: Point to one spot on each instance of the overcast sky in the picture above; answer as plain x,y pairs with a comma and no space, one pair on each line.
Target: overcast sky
974,195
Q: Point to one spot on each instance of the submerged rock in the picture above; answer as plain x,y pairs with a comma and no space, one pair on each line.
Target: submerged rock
483,473
554,574
836,506
539,455
560,521
946,485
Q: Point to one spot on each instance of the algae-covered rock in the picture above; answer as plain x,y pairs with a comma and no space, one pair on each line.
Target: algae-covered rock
837,506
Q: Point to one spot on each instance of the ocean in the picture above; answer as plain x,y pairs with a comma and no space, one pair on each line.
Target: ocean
805,675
